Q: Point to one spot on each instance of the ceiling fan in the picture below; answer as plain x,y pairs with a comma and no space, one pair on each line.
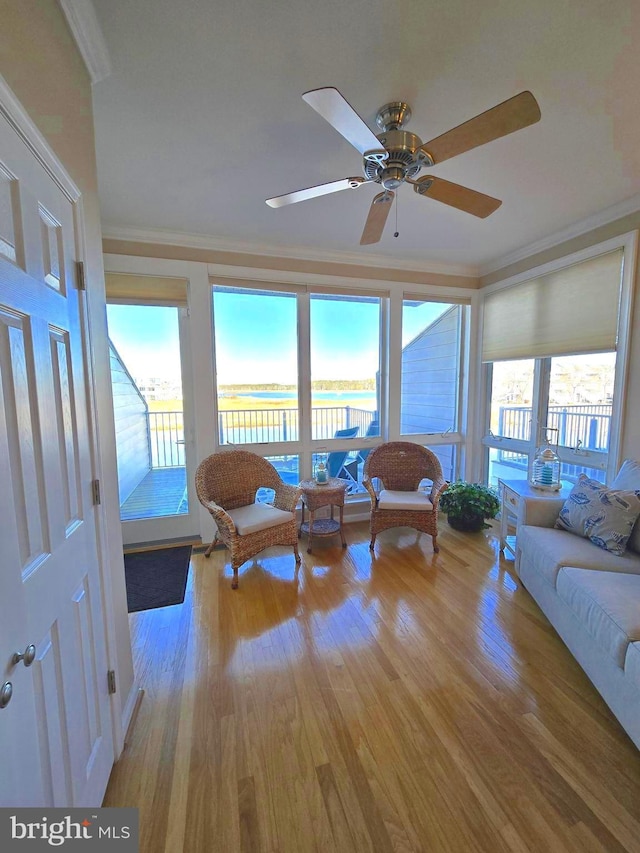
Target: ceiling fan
395,156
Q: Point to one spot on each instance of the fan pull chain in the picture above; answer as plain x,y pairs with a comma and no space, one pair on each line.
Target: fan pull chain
396,232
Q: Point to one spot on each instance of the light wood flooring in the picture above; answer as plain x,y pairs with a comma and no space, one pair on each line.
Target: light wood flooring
405,702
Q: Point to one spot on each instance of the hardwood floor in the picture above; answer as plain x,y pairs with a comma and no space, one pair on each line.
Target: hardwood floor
405,702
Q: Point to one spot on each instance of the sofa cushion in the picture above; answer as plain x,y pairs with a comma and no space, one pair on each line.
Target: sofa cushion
628,478
605,516
607,604
258,516
388,499
632,664
548,549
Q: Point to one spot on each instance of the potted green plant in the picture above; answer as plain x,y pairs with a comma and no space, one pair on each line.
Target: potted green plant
468,505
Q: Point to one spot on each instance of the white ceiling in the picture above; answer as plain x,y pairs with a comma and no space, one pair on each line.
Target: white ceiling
201,119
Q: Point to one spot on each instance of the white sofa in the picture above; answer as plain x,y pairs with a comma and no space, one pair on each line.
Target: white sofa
590,596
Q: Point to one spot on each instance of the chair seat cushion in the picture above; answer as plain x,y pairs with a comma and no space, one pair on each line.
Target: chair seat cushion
607,604
548,550
258,516
632,664
389,499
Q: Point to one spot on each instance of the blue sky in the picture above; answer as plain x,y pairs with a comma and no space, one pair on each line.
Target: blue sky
146,338
256,337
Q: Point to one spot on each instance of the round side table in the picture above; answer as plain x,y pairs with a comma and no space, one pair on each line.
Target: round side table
315,496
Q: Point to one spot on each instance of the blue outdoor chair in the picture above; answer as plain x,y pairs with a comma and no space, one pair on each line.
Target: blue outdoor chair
351,468
335,460
372,429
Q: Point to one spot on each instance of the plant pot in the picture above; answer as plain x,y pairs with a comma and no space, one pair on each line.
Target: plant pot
467,523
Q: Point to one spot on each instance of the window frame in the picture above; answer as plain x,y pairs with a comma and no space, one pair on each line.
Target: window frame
607,462
391,301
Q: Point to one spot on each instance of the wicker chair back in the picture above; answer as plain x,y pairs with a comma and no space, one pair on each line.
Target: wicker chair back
232,478
401,465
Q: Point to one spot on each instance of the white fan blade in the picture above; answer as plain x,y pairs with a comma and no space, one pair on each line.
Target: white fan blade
313,192
377,218
330,104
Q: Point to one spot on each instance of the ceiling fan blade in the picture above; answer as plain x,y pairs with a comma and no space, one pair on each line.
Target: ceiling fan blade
376,220
470,201
314,192
330,104
516,113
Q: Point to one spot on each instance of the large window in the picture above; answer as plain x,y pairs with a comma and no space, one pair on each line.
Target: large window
304,374
345,365
255,336
510,417
144,350
567,322
431,337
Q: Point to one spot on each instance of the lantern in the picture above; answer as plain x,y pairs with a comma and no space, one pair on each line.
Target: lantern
546,467
320,473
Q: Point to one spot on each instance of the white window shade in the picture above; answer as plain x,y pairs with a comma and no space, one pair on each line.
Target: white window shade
124,288
570,311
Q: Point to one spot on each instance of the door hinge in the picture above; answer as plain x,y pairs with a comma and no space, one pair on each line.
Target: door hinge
111,681
95,492
80,279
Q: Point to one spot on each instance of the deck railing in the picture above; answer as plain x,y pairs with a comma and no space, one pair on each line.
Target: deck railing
586,426
250,426
166,439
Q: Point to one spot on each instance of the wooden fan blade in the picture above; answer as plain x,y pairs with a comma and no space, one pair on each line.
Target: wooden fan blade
509,116
330,104
314,192
458,196
377,218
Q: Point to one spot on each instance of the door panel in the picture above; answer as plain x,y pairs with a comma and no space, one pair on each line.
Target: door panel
50,590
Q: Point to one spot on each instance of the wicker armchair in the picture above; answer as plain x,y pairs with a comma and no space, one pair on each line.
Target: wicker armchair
400,466
226,484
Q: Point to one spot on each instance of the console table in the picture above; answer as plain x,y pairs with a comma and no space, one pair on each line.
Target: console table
314,497
511,493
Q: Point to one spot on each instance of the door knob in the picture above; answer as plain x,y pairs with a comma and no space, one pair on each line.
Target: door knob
27,657
6,692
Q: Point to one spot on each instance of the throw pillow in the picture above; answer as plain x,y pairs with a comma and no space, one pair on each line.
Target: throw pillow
628,479
605,516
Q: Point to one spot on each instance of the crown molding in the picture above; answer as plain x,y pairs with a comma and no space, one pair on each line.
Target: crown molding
223,244
83,22
583,226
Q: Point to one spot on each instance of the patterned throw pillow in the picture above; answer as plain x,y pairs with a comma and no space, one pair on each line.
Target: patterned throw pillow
605,516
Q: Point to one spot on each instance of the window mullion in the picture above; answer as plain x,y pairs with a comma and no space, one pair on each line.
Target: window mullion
394,383
540,402
304,383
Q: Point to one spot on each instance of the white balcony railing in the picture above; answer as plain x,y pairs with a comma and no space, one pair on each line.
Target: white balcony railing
250,426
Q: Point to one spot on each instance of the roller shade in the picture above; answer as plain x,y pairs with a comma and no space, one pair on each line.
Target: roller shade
223,284
570,311
447,300
145,290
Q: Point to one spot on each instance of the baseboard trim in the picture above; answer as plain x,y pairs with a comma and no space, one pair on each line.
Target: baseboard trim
137,547
139,696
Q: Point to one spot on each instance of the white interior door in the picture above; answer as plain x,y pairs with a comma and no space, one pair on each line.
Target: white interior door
55,732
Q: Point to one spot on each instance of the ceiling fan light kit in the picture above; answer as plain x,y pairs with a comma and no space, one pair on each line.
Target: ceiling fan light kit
396,156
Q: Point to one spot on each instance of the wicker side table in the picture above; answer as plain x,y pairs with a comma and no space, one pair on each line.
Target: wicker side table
314,497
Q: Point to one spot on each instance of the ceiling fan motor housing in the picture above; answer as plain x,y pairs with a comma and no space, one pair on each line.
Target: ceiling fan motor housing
404,161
